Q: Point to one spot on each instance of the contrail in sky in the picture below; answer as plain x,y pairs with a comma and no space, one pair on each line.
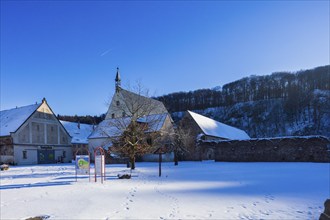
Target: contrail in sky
105,52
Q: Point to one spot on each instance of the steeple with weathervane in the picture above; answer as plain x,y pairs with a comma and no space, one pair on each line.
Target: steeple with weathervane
118,80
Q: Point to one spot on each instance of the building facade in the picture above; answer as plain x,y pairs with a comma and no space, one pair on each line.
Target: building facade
33,135
79,133
198,127
126,106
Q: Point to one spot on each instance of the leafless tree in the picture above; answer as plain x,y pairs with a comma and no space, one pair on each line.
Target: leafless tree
135,121
181,143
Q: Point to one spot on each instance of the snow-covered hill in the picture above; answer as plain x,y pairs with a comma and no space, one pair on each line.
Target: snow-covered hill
270,118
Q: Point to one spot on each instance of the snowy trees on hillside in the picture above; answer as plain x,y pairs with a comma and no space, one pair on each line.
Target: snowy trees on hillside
281,85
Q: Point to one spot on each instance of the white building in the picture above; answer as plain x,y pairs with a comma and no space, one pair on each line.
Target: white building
126,106
33,135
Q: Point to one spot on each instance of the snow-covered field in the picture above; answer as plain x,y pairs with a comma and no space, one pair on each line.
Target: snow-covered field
192,190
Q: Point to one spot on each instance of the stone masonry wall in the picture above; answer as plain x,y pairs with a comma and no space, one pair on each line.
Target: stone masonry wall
286,149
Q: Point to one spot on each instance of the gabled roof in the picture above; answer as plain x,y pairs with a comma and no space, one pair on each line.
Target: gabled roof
150,101
78,132
132,102
217,129
12,119
114,127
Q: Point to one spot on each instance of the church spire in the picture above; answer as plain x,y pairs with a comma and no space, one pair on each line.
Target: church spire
118,80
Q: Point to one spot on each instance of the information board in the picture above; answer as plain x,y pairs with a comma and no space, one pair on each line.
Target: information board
99,165
82,164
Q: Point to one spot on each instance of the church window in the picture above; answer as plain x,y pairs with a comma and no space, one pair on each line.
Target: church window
24,154
124,114
112,115
117,103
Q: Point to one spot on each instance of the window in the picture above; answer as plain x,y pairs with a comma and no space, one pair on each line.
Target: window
117,103
37,127
112,115
64,154
24,154
51,128
124,114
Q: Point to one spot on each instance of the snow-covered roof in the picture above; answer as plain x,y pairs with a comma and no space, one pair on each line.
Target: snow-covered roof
131,102
114,127
12,119
217,129
80,133
157,105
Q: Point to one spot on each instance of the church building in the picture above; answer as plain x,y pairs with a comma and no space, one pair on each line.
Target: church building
126,106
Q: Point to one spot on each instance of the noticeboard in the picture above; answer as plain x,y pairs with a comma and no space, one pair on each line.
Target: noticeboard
82,164
99,165
99,160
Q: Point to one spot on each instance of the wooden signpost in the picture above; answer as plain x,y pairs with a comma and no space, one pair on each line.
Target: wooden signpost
160,151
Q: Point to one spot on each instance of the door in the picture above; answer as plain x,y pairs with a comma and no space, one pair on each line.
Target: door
46,156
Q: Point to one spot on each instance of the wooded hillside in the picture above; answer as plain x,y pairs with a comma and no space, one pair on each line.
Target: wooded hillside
279,104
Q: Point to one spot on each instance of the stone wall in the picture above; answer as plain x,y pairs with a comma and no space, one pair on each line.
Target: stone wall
286,149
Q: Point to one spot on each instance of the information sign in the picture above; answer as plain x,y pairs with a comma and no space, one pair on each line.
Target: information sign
82,164
99,164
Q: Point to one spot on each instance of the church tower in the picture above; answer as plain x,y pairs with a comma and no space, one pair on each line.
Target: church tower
118,81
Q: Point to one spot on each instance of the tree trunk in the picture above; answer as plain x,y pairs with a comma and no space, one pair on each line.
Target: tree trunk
132,160
176,159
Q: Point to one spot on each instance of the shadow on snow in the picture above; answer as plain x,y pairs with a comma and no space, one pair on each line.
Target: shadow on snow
30,185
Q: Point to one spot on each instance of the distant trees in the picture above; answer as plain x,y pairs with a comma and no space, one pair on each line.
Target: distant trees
87,119
279,104
281,85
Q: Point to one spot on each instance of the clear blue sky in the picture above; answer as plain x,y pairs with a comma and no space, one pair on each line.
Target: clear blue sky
68,51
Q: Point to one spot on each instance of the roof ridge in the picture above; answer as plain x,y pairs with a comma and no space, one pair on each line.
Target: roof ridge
140,95
38,104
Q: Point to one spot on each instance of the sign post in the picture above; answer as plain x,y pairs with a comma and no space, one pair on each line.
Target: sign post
99,158
82,165
160,151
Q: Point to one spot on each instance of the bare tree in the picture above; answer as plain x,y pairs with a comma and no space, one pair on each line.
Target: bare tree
181,142
134,123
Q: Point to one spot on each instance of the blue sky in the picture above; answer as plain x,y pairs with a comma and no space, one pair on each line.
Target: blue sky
68,51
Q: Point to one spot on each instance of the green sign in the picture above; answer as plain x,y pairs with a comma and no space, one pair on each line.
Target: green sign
82,164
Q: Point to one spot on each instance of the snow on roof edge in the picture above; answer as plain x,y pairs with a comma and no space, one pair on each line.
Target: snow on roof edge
214,128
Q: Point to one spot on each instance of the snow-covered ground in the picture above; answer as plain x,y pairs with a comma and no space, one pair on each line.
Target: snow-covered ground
192,190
